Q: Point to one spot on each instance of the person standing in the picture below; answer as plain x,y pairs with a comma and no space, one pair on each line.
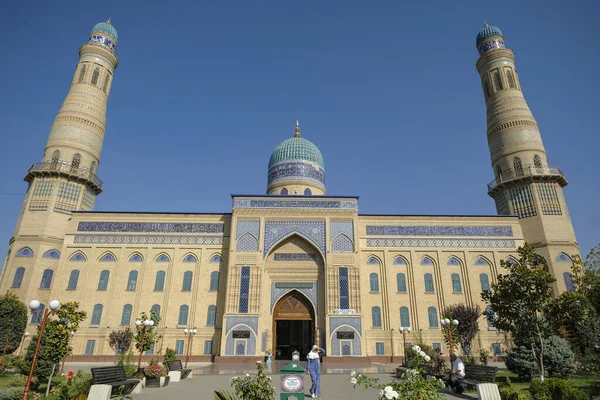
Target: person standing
458,373
314,369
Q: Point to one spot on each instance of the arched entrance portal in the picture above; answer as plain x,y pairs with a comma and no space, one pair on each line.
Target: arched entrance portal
293,325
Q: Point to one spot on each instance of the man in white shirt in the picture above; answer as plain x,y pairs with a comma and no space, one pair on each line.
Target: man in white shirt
457,374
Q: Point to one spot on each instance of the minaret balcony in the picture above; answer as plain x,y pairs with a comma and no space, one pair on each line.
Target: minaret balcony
65,169
527,173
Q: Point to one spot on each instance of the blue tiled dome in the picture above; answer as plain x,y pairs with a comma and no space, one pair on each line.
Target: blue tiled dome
487,31
107,28
296,148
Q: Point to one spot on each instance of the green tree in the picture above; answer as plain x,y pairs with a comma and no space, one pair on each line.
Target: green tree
519,299
468,324
120,341
13,321
586,276
150,334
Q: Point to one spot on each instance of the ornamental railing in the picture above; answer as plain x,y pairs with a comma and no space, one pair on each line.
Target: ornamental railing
66,167
526,171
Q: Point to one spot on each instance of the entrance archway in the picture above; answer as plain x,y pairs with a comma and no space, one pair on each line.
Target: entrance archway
293,325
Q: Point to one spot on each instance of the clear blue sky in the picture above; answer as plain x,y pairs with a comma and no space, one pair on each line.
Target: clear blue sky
386,89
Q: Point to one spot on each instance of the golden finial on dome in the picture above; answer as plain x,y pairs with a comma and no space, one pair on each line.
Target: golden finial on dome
108,21
297,131
485,24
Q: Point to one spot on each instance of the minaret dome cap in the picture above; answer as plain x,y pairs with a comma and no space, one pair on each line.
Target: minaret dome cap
488,31
107,28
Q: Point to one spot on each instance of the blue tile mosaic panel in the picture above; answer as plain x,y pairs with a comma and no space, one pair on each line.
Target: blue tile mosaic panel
335,322
243,227
399,261
344,288
373,261
247,243
481,261
562,257
244,290
232,321
453,261
342,244
342,234
347,228
108,257
310,292
296,203
314,231
247,234
216,259
104,41
341,324
294,257
296,171
149,239
401,230
24,252
78,257
240,348
135,258
190,258
241,323
163,258
54,254
444,243
150,227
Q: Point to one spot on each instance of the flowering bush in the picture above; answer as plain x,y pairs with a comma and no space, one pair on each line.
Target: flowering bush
154,371
74,386
254,388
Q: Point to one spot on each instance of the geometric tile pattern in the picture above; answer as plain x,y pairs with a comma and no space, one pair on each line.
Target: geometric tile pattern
400,230
252,227
335,342
314,231
294,257
55,254
247,242
354,322
230,322
344,288
244,290
247,235
342,244
24,252
240,323
347,228
149,239
297,203
447,243
296,171
149,227
310,293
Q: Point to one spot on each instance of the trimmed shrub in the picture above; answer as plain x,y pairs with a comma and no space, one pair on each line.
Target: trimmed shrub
559,360
510,393
555,389
12,393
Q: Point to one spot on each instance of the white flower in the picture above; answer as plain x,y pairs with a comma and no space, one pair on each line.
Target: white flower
381,393
422,353
391,395
394,394
353,381
247,374
427,358
388,389
353,373
417,349
259,362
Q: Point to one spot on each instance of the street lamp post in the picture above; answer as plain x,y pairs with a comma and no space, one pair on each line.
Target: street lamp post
448,323
53,306
144,324
26,334
404,331
190,334
62,366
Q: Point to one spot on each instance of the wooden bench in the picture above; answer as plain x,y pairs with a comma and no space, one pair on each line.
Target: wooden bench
475,374
114,376
175,365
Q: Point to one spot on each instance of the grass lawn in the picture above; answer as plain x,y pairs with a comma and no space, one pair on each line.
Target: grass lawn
6,378
581,382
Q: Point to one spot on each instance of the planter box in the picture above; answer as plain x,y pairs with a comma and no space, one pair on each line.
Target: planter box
157,382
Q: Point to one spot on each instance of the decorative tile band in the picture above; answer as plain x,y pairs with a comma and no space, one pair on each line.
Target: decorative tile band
278,291
149,227
297,203
448,243
104,41
296,171
314,231
232,321
295,257
148,239
335,322
402,230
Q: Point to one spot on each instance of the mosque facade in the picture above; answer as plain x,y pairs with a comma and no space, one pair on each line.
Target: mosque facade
287,269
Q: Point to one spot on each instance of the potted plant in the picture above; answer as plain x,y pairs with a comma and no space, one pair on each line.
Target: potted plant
156,376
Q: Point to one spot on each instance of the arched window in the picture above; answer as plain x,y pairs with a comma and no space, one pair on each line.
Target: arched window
211,316
376,316
429,287
103,281
485,282
162,258
190,258
73,279
24,252
497,81
511,260
75,162
159,282
562,257
36,316
108,257
78,257
126,315
53,254
537,162
82,73
399,261
135,258
489,315
518,166
155,309
93,168
97,314
401,282
486,86
106,81
214,280
283,192
511,79
433,317
18,278
372,261
481,261
46,279
187,281
95,76
216,259
404,317
307,192
374,281
453,261
55,157
568,277
132,280
426,261
456,286
183,315
498,173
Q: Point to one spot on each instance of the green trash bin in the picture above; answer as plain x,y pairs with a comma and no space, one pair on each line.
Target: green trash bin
292,379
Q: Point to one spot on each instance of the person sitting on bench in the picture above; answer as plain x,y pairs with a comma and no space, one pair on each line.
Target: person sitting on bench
458,373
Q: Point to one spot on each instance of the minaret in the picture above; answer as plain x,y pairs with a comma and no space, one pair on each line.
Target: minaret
525,184
65,179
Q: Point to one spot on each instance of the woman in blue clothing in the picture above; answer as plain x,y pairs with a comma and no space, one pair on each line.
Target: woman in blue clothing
314,369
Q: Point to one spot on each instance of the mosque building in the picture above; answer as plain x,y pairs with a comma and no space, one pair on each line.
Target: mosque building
287,269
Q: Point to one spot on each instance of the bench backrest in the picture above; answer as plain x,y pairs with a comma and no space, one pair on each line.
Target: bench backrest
481,373
174,365
114,373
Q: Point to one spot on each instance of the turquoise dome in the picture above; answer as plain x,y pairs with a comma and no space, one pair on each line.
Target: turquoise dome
487,31
296,148
107,28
